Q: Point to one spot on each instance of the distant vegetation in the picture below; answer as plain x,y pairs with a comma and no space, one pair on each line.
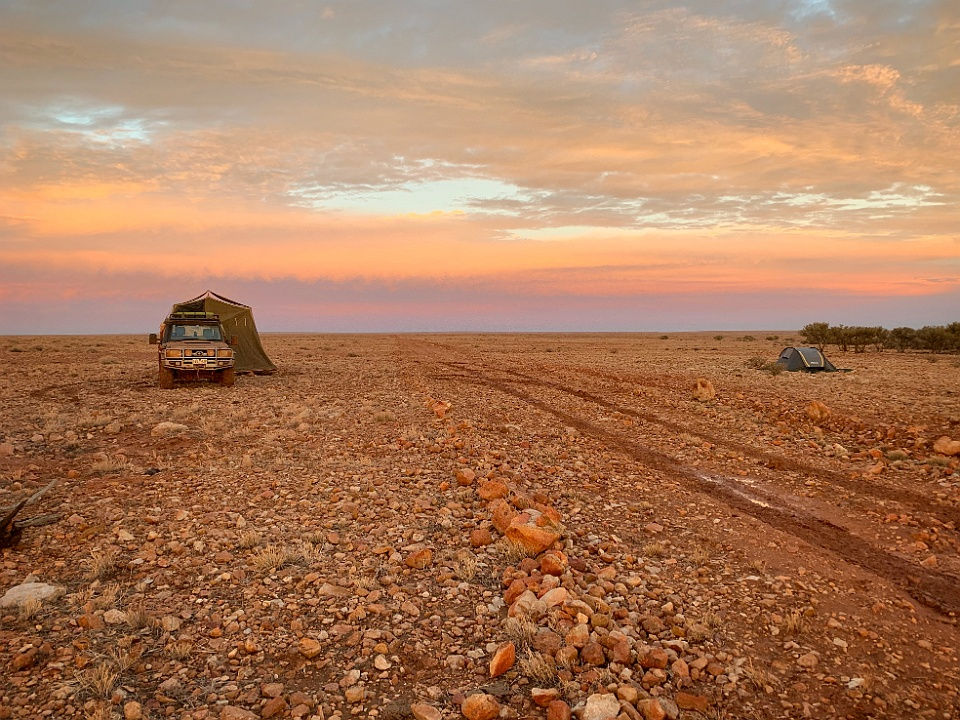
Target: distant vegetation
933,338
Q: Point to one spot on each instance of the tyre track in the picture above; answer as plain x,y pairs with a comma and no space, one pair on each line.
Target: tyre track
862,486
935,590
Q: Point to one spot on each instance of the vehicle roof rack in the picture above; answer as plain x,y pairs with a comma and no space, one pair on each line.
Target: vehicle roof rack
193,316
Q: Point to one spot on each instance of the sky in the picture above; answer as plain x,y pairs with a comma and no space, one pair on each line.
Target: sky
374,165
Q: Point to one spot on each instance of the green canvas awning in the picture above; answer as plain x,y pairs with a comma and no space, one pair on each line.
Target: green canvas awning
237,321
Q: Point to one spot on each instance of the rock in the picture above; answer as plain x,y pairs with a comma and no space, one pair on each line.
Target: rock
809,660
553,563
653,658
354,694
380,662
114,616
167,429
271,690
132,711
533,539
310,648
601,706
704,390
557,596
558,710
422,711
480,537
502,514
24,660
273,707
503,660
946,446
113,428
689,701
592,654
492,489
465,477
817,411
170,623
578,636
628,693
330,590
419,559
480,706
19,594
651,709
232,712
544,696
546,641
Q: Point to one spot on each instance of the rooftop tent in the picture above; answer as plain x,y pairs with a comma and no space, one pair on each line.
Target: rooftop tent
807,359
237,321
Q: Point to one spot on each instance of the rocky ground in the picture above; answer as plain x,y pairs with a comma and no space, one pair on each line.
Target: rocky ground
481,526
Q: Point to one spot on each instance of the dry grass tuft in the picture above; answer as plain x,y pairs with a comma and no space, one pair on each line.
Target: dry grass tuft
137,616
792,624
99,681
29,609
101,564
465,568
540,669
117,463
179,650
761,679
249,540
655,549
758,565
700,556
275,557
712,620
520,630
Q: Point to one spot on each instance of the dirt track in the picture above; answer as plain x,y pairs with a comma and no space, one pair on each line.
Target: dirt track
811,566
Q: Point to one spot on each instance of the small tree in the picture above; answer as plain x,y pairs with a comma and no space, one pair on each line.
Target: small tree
840,336
903,338
934,338
817,333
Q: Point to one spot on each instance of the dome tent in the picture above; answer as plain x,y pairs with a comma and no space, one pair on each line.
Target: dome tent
237,321
805,359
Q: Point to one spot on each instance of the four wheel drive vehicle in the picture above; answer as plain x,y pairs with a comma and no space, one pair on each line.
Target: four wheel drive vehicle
192,346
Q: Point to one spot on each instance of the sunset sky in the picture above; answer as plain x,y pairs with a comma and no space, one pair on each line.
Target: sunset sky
503,165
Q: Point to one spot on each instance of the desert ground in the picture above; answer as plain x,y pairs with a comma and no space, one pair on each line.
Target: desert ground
521,526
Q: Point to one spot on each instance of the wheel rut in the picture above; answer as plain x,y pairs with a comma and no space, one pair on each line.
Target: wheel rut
935,590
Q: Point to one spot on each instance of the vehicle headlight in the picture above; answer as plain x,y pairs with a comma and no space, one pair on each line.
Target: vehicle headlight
173,353
225,353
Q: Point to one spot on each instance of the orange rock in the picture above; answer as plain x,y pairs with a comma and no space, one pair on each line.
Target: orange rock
503,660
558,710
553,563
310,648
480,537
480,706
945,446
544,696
548,515
492,489
533,539
689,701
817,411
704,390
516,589
420,559
465,477
502,513
651,709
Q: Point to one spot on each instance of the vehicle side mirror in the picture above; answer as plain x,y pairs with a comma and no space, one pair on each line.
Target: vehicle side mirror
152,339
233,340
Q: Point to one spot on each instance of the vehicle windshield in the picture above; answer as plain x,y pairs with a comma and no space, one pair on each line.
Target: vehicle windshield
183,331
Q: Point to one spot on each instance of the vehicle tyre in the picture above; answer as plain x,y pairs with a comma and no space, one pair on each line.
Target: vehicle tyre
166,378
228,377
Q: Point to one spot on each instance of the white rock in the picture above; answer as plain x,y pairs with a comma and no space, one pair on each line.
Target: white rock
19,594
601,706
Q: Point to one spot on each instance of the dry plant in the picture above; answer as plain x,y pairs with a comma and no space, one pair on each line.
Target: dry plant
758,565
700,556
137,616
179,650
511,551
760,678
98,682
712,620
792,624
654,549
520,630
124,658
29,608
465,566
275,557
539,668
99,711
117,463
101,564
108,597
249,540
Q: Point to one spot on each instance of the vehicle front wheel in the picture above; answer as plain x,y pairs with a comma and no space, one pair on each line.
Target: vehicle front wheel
228,377
166,378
